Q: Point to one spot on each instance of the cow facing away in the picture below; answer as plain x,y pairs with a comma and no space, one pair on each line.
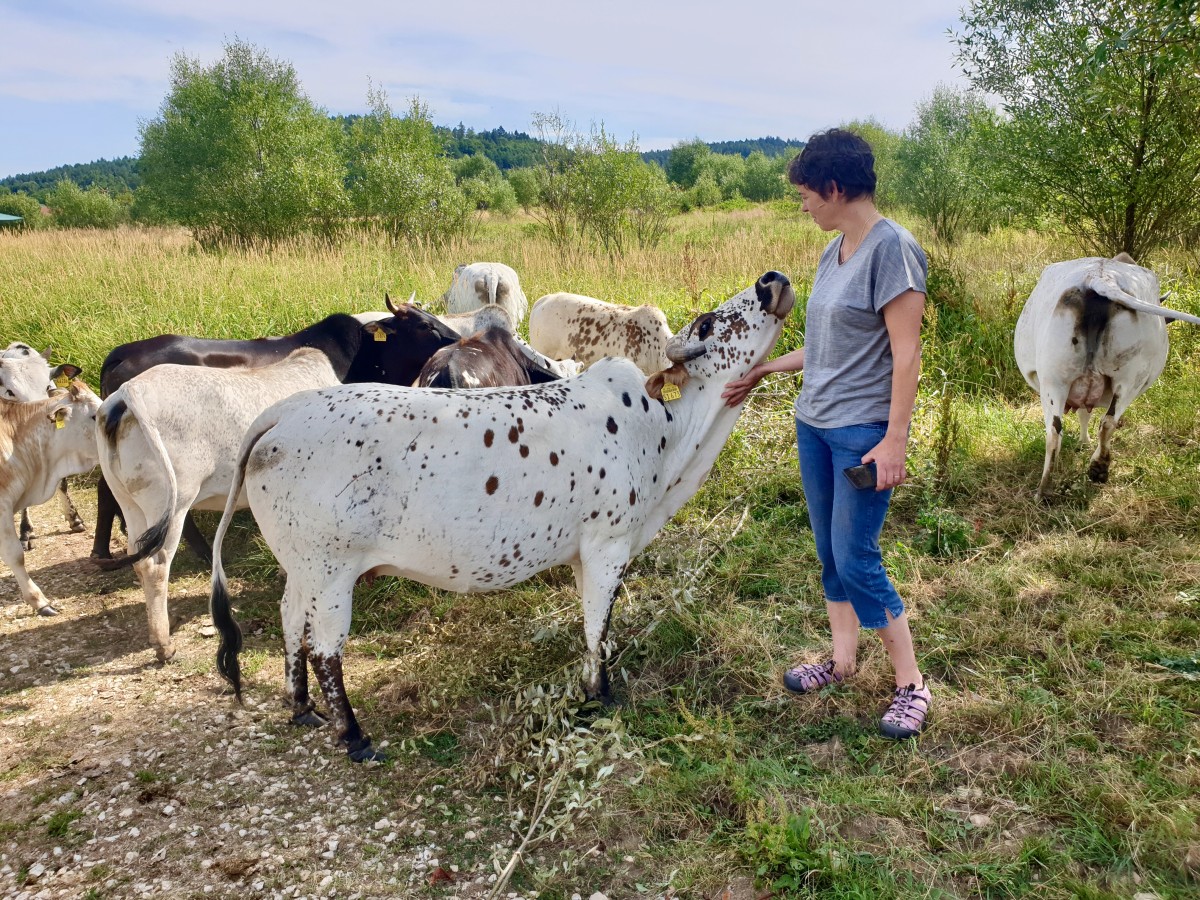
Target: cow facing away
168,438
1091,336
483,284
491,358
357,346
586,329
478,490
41,443
26,375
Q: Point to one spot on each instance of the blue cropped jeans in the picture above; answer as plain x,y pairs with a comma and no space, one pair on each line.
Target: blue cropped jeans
846,521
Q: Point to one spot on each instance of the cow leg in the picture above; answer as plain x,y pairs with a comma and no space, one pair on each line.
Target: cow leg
1052,412
328,626
70,513
154,572
106,510
598,579
26,531
295,662
196,539
13,555
1085,416
1102,457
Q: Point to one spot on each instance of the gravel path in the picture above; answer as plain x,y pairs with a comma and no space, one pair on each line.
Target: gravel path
121,778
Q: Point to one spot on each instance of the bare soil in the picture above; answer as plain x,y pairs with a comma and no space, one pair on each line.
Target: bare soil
123,778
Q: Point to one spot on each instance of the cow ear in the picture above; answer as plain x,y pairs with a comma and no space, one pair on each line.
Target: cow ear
378,330
677,375
59,415
62,375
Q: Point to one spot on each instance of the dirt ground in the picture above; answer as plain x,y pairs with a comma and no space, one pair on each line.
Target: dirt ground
123,778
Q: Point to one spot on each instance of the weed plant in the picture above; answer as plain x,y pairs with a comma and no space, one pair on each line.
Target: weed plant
1063,753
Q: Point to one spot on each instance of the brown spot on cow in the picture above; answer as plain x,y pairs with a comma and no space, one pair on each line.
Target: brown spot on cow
513,434
553,458
612,425
492,484
488,437
537,498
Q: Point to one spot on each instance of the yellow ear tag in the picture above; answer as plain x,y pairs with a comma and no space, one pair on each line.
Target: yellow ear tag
380,335
60,418
670,392
62,381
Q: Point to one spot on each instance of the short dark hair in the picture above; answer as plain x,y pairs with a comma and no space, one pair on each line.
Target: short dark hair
835,158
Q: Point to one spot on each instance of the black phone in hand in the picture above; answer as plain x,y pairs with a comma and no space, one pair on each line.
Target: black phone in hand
862,477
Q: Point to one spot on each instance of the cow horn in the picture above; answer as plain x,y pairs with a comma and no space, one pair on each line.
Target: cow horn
681,353
387,298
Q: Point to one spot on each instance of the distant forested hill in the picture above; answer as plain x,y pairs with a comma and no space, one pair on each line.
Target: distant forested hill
507,149
114,175
769,146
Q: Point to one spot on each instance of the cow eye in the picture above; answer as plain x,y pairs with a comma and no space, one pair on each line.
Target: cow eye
706,328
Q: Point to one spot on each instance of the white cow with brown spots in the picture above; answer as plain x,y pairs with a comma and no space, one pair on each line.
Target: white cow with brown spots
1091,336
486,284
360,479
41,443
572,326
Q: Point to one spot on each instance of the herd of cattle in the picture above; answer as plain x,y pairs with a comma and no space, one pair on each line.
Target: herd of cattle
362,448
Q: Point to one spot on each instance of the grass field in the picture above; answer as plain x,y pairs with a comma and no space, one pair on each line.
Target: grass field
1062,640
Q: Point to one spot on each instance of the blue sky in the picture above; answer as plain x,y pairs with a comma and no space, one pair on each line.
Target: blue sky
77,77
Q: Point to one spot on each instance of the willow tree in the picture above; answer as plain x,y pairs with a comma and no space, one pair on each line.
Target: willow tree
239,154
1102,107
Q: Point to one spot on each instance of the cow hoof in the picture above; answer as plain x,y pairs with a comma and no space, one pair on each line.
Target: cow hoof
47,611
310,719
366,753
78,527
1098,472
98,555
26,546
165,654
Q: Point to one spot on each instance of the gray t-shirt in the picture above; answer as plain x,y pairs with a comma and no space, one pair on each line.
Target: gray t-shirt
847,356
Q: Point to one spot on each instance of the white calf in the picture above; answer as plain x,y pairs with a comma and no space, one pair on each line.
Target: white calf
478,490
586,329
168,442
26,374
41,443
1091,335
483,284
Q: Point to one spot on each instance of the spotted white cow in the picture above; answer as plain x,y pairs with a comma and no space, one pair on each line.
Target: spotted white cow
483,284
1091,336
41,443
572,326
26,374
478,490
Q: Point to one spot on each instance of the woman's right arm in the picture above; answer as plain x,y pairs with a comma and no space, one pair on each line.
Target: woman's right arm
737,390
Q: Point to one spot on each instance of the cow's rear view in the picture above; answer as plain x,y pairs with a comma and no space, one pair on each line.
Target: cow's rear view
1091,336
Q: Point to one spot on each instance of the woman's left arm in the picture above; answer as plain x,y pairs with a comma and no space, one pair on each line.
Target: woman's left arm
902,316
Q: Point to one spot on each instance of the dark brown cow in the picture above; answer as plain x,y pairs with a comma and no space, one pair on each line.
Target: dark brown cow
491,358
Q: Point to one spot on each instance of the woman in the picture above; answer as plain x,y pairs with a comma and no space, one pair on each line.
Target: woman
861,359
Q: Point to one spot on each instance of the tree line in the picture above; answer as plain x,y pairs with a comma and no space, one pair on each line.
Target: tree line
1094,133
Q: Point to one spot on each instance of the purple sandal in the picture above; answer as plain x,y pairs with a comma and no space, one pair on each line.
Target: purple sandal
810,677
906,716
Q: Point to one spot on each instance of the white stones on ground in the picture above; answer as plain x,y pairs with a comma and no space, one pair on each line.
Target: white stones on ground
36,871
598,896
168,810
979,820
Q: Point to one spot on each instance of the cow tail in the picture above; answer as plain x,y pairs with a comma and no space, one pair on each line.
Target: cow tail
218,602
152,539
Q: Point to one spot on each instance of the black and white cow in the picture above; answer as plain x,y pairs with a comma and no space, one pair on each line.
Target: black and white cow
385,347
41,443
26,374
584,472
1091,336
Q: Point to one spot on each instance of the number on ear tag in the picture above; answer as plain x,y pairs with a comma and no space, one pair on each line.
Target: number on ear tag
671,392
60,418
62,381
380,335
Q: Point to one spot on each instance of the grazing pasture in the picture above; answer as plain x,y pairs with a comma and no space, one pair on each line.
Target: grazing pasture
1062,639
